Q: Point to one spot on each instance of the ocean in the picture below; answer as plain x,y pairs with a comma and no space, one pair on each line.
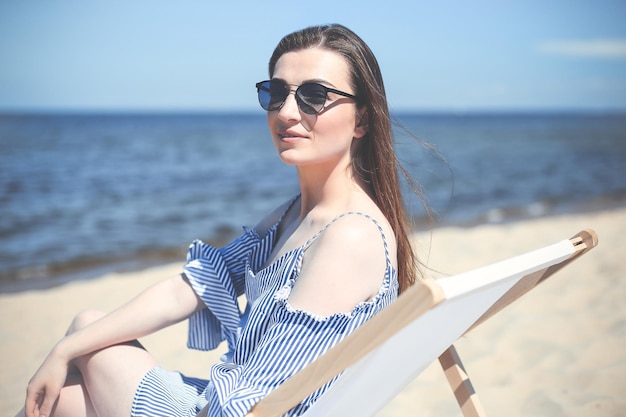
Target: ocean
82,194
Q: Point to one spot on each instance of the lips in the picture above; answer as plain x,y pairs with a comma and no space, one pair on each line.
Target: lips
289,134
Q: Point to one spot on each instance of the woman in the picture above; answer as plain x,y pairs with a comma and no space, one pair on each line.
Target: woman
312,271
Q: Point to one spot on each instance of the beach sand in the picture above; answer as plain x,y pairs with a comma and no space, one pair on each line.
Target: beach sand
558,351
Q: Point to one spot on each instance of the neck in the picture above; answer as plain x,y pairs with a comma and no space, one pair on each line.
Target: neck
327,190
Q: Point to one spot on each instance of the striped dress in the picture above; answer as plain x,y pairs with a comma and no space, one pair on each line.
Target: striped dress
267,343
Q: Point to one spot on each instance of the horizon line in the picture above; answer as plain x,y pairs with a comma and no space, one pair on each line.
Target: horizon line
254,111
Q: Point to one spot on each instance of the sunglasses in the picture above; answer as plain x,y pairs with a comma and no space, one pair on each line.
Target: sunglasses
311,97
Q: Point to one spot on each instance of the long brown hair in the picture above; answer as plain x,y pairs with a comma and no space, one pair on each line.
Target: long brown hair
374,161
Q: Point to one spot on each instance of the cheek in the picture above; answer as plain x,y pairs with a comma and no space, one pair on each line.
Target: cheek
272,122
271,119
337,127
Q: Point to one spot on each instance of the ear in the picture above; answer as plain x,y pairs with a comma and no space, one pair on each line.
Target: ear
362,123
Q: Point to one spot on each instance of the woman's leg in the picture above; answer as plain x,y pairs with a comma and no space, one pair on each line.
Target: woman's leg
74,401
107,380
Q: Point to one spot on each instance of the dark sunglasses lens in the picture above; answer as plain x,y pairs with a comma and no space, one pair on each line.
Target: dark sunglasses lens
311,97
263,90
272,94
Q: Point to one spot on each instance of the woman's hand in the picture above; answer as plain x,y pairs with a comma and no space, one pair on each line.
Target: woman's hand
44,387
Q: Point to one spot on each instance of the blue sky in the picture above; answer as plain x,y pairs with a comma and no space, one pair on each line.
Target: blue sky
195,55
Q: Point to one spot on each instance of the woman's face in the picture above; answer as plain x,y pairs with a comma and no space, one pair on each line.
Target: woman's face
315,139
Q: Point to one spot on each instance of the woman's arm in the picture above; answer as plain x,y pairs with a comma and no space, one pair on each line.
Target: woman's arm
159,306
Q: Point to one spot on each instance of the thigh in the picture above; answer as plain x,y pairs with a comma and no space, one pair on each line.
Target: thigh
112,376
73,401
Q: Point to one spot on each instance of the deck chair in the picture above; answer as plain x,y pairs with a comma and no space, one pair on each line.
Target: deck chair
421,326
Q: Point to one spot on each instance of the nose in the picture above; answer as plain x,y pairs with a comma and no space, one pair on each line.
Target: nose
290,110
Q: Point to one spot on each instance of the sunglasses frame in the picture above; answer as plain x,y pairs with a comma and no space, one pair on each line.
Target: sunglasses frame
302,104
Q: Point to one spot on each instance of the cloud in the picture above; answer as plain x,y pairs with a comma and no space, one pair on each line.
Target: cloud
599,48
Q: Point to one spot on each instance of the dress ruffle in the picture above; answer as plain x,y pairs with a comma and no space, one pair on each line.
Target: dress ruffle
217,276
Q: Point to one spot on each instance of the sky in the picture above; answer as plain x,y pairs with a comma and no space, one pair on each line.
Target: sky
189,55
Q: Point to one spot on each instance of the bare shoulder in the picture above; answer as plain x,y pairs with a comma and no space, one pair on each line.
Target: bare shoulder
345,265
358,234
358,237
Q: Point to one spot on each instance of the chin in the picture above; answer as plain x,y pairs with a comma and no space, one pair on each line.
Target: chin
289,159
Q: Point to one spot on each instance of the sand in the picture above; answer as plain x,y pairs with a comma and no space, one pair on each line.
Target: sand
558,351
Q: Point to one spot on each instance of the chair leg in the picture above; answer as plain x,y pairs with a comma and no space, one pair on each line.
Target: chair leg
460,383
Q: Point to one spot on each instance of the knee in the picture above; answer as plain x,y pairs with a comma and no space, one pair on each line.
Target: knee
84,318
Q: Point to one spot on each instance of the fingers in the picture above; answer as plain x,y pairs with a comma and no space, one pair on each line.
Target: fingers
46,406
31,407
39,403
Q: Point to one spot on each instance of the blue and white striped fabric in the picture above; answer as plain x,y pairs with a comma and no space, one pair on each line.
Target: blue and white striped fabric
217,276
170,394
276,340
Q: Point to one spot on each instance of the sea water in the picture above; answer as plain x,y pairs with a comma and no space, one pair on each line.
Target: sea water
78,192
